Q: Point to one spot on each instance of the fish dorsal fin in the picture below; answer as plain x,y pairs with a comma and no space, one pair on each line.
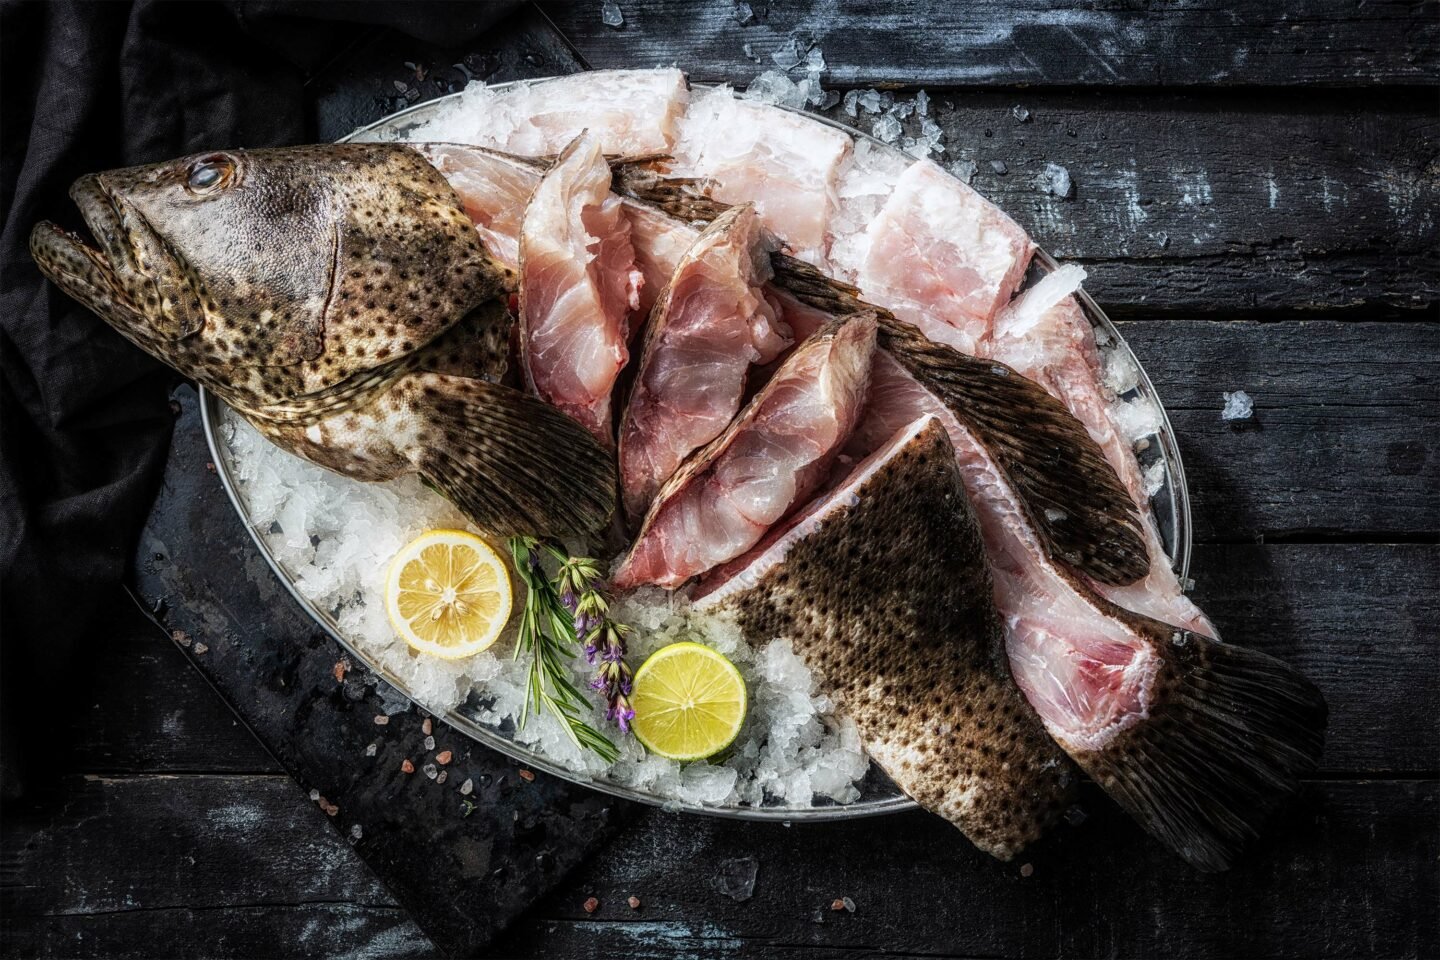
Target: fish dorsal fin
685,198
1071,494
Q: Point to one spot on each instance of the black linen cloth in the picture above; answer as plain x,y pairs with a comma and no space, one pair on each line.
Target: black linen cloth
84,417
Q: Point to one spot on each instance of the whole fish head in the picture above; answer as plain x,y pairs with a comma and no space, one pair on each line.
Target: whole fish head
329,258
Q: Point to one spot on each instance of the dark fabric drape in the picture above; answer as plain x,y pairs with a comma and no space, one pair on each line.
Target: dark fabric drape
84,417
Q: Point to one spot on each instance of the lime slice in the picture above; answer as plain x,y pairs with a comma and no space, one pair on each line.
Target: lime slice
448,594
689,702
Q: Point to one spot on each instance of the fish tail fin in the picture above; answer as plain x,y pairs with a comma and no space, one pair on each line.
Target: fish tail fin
512,463
1229,736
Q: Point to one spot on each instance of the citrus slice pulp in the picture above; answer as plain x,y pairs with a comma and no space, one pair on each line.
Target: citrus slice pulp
689,702
448,594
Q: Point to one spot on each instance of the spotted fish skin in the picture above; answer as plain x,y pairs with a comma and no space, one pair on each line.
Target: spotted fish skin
883,589
338,297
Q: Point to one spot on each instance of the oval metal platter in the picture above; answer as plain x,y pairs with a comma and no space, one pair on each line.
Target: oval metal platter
877,794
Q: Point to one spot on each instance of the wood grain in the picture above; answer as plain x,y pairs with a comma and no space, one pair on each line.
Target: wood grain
1345,438
1030,43
243,865
1346,871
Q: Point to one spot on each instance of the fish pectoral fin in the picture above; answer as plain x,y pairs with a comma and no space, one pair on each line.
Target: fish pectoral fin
512,463
1229,736
1071,493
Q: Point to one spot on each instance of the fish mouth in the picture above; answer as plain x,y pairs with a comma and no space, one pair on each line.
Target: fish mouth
121,270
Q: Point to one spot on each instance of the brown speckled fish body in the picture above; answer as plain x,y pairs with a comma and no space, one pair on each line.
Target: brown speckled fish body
884,590
339,297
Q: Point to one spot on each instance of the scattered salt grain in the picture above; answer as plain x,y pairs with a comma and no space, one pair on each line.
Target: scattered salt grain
1020,113
201,648
1055,180
634,903
444,775
430,770
370,750
998,166
443,757
848,904
429,743
610,14
406,766
314,795
527,776
744,14
1027,870
467,787
427,727
355,832
381,720
837,905
737,878
1238,406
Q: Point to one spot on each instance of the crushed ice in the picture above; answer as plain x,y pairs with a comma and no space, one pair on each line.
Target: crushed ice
737,878
1055,180
610,14
1238,406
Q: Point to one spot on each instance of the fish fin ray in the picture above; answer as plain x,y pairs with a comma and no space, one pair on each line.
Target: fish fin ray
512,463
1071,493
684,198
1220,750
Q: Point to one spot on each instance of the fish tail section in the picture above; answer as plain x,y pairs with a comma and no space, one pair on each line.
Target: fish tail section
1230,733
512,463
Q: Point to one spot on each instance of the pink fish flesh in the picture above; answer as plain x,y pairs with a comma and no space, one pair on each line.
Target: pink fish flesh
578,284
784,163
710,325
943,258
777,452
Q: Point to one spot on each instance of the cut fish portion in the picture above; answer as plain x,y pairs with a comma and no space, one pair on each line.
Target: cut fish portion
881,586
578,284
784,163
775,454
494,191
710,325
1195,739
631,112
1045,336
942,258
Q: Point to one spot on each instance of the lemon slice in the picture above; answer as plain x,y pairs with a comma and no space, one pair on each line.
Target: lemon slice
448,594
689,702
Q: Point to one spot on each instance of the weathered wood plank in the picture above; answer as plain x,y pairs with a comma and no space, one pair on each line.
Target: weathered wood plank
1202,203
1351,871
1031,42
1358,620
1345,436
244,866
152,712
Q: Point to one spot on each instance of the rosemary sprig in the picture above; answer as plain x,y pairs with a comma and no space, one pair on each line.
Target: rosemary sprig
547,631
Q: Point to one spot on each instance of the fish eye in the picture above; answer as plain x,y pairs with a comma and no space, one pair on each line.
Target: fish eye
210,174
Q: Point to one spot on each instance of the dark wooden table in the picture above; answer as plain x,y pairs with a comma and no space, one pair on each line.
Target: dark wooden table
1257,198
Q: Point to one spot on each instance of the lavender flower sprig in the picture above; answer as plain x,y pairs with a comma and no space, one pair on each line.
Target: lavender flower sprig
547,631
600,636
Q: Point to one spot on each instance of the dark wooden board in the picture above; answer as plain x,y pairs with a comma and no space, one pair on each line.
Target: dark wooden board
243,865
1349,871
1345,437
1031,43
495,850
1195,203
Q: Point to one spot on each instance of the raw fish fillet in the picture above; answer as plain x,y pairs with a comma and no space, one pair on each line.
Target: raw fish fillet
881,586
494,191
631,112
710,325
1197,740
776,453
942,257
578,284
784,163
1045,336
